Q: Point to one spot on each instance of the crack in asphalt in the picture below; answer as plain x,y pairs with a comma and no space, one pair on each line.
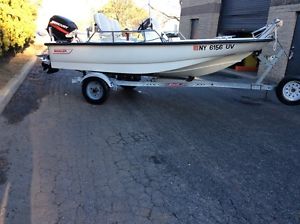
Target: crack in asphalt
170,156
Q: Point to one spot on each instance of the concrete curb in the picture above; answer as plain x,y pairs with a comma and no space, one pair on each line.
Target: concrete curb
12,86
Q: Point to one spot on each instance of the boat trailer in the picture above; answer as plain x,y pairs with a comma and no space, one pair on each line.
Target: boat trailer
96,85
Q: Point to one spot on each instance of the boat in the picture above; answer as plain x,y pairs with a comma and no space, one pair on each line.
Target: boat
111,57
148,52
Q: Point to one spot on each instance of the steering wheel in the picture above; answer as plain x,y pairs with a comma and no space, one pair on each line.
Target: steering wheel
146,24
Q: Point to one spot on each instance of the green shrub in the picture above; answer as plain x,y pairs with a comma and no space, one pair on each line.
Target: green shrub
17,24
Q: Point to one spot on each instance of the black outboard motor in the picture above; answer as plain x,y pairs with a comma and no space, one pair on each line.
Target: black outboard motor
59,27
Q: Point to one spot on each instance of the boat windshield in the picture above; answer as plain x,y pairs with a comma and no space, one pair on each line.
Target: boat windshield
126,36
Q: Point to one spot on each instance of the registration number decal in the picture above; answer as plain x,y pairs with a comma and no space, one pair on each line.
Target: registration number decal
213,47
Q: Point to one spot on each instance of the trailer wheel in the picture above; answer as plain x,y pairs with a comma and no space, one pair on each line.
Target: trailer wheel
95,90
288,91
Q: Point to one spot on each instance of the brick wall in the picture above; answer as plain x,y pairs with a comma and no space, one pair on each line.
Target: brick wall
288,13
207,11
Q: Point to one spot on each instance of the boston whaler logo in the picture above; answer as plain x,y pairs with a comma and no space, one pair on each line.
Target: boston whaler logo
62,51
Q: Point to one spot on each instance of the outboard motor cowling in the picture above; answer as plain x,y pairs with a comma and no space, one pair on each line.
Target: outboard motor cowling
59,27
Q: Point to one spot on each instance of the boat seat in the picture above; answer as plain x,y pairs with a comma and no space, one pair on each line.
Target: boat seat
102,22
105,24
115,25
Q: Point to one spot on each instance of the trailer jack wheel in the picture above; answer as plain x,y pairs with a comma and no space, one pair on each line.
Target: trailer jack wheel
95,90
288,91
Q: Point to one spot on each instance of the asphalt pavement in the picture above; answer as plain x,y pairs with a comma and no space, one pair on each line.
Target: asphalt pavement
179,155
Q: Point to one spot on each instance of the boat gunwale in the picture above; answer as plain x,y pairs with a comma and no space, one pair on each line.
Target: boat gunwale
184,42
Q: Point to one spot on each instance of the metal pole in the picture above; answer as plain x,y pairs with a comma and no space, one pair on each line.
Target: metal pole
149,8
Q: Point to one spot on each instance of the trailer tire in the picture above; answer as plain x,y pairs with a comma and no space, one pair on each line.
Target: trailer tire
288,91
95,90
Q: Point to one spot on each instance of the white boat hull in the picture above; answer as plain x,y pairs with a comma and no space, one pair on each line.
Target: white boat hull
178,59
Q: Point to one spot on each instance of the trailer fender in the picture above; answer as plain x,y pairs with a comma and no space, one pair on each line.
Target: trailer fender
98,75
